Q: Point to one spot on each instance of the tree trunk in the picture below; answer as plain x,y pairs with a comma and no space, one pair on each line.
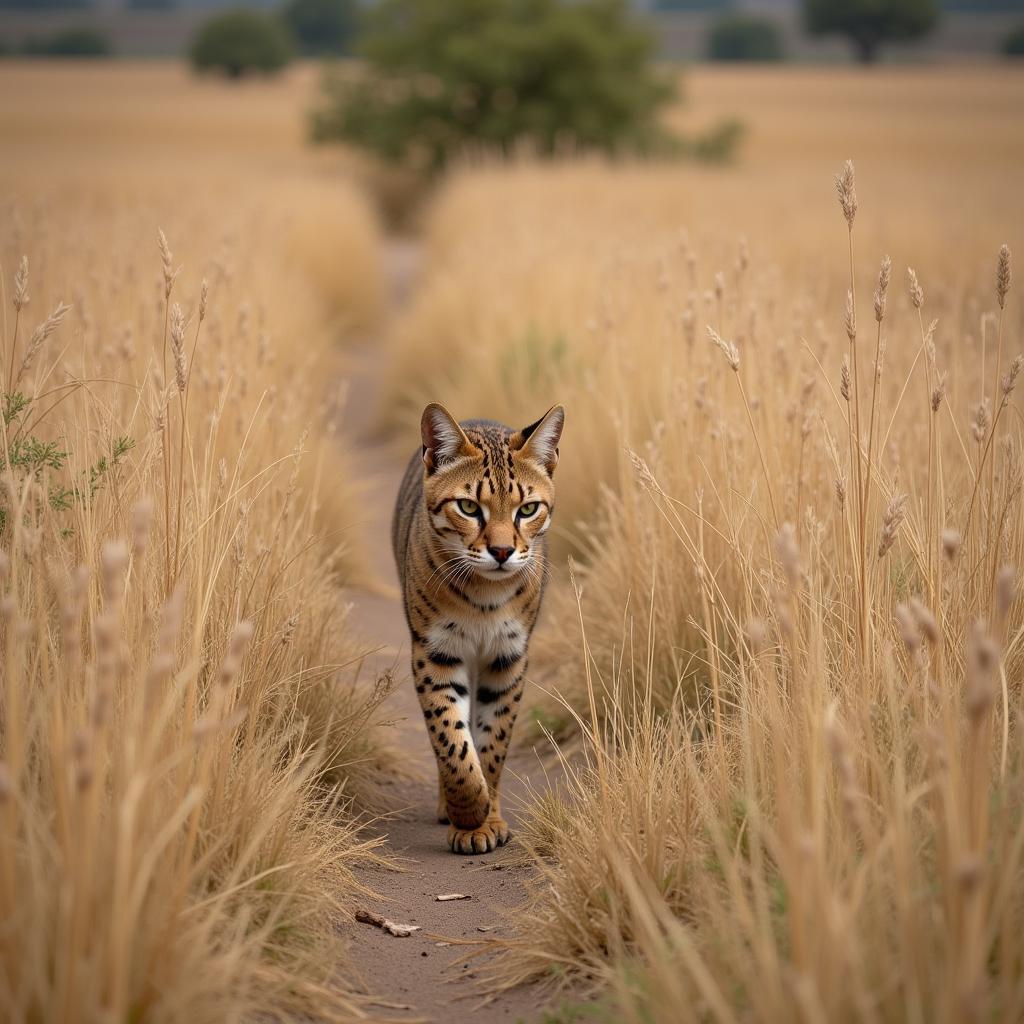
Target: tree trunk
867,48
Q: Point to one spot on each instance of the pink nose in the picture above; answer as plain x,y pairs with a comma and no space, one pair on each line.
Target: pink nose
501,555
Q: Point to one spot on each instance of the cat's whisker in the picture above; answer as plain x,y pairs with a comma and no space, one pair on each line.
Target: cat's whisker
446,562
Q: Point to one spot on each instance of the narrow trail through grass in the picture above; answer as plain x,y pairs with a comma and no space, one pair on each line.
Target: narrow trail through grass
415,977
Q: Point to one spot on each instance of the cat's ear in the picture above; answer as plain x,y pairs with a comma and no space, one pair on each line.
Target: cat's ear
443,439
539,441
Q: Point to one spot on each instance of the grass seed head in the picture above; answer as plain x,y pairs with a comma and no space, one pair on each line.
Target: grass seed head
113,561
40,334
1006,590
845,383
643,471
178,326
925,620
950,544
982,662
895,513
916,291
840,488
1009,381
21,285
847,191
884,274
981,420
731,352
167,264
240,637
909,630
1003,275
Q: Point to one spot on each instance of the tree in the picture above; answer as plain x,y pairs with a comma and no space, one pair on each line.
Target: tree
1013,44
322,27
742,37
497,73
80,41
869,23
241,41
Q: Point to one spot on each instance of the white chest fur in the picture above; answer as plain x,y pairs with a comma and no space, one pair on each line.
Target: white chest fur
477,641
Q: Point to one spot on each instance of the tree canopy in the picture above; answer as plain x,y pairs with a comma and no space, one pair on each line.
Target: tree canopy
322,27
440,76
241,41
870,23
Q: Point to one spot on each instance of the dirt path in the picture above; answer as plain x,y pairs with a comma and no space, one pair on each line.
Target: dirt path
415,972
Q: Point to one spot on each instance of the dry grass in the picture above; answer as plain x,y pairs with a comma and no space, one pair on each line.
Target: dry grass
182,736
143,135
811,731
800,744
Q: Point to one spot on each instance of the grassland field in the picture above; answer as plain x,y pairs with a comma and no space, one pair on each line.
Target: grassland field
783,650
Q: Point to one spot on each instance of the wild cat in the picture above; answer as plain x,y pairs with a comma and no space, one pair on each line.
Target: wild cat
470,540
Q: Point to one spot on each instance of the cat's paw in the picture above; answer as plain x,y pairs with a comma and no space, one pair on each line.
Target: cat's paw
489,836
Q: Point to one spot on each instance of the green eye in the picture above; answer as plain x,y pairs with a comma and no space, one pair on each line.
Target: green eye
528,509
467,507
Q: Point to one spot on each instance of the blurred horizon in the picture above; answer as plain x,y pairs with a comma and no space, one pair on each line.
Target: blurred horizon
968,29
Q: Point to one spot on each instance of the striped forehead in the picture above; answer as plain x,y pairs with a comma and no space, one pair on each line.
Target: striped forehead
497,473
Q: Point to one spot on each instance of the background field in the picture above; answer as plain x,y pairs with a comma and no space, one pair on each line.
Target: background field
770,744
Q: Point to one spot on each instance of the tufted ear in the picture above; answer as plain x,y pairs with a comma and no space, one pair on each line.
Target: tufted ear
539,441
443,439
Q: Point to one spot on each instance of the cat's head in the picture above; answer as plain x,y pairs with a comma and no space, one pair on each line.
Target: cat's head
489,490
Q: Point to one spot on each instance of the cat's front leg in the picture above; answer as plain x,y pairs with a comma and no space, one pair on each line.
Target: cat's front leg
498,695
442,685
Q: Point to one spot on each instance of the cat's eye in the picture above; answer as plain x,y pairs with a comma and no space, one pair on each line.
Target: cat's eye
468,507
527,510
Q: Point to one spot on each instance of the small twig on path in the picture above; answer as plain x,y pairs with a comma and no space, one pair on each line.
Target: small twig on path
400,931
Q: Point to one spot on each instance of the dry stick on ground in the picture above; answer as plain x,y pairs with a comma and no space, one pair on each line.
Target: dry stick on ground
400,931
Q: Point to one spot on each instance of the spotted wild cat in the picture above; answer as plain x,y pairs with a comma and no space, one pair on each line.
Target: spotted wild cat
469,536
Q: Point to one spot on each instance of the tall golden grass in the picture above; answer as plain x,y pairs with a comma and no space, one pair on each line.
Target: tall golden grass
791,483
183,743
800,754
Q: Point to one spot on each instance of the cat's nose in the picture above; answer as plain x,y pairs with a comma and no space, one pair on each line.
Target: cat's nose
500,555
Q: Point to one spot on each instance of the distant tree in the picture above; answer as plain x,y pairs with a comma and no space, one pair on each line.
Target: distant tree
1013,44
744,37
80,41
242,41
322,27
869,23
674,6
439,76
44,5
